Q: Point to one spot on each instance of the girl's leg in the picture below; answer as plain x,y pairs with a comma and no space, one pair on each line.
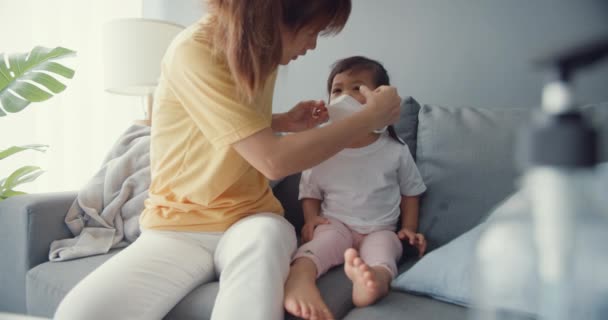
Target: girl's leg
252,259
325,250
302,297
373,270
145,280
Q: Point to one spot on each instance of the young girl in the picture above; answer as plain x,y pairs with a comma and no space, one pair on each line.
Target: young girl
352,203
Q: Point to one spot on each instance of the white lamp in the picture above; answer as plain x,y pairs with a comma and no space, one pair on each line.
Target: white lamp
132,53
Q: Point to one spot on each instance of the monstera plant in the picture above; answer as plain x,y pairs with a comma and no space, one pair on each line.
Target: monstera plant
26,78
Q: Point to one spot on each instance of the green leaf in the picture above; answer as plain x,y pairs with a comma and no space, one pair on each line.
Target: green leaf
5,76
37,66
12,103
22,175
46,81
30,92
31,176
56,68
10,193
16,149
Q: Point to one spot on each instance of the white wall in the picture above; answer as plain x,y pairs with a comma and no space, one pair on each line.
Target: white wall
467,52
82,123
184,12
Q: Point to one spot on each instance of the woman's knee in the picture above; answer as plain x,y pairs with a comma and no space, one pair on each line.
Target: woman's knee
84,304
271,226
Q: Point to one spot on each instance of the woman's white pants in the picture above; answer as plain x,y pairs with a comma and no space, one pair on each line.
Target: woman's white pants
148,278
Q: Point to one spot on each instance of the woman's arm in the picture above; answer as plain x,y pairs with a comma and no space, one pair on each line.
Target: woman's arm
279,156
278,123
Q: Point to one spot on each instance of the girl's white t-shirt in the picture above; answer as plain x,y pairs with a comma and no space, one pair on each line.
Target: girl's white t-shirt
362,187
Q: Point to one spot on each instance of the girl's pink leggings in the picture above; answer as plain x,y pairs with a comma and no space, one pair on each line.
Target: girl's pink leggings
326,249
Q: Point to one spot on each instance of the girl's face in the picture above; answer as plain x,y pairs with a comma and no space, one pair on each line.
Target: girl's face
349,81
296,43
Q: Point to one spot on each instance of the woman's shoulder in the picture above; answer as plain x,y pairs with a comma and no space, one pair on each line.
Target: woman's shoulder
193,49
193,39
201,32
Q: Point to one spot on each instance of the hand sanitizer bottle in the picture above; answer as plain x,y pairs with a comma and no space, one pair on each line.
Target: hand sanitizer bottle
550,262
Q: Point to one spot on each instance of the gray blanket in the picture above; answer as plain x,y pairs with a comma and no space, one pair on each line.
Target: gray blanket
106,212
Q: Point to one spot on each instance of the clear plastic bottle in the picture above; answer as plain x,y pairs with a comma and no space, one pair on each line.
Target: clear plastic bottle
548,258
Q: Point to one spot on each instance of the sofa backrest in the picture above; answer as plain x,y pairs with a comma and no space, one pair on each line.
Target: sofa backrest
466,158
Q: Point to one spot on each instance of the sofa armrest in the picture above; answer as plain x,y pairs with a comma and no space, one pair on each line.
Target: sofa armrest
28,225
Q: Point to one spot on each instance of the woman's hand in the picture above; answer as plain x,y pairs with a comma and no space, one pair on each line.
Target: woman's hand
415,239
383,104
309,227
305,115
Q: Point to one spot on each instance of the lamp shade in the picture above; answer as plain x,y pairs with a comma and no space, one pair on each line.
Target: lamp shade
132,53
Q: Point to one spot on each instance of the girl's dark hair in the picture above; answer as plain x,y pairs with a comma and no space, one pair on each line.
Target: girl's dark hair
247,32
359,63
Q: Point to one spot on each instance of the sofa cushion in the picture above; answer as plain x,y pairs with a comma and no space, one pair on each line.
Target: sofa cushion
407,127
335,288
466,159
49,282
447,273
399,306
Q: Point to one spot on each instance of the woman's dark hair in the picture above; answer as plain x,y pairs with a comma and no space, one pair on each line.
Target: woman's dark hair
360,63
247,32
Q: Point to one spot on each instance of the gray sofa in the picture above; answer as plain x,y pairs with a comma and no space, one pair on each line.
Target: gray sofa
464,154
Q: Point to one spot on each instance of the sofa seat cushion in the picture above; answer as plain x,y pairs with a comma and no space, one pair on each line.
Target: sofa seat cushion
335,288
49,282
399,305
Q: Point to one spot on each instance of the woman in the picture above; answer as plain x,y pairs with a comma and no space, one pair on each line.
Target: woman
210,211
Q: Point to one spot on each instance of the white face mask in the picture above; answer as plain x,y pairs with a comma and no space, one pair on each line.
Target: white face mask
344,106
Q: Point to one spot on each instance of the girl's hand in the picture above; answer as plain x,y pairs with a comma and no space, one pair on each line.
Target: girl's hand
306,115
383,104
309,227
415,239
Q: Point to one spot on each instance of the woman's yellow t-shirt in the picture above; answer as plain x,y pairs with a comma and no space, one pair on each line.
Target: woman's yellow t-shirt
199,182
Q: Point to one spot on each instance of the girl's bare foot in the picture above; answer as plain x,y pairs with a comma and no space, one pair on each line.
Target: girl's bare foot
302,297
369,284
